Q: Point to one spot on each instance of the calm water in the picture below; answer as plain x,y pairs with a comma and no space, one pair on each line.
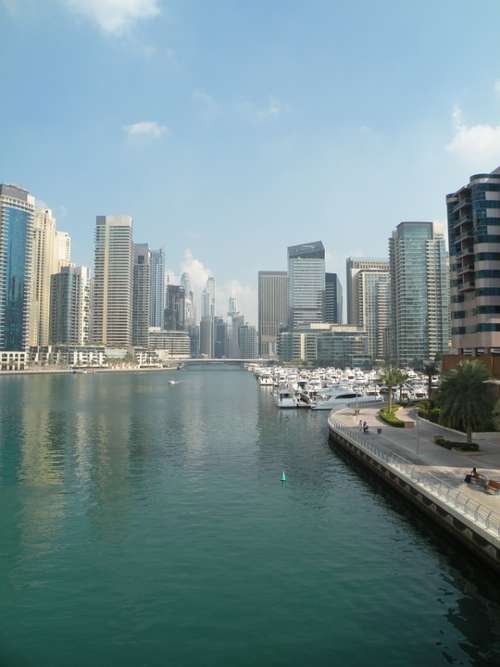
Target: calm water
145,524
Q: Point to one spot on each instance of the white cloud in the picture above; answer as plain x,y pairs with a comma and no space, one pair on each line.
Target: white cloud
474,144
147,129
115,16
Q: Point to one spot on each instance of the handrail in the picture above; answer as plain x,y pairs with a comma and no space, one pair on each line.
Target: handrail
485,517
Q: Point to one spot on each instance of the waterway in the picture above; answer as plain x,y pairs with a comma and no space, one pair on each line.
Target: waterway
144,523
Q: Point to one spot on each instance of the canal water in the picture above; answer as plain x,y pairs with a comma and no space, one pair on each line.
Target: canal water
144,523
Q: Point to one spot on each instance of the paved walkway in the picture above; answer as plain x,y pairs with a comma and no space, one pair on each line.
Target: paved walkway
417,445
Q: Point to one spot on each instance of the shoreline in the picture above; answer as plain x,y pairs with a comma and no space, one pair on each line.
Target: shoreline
84,371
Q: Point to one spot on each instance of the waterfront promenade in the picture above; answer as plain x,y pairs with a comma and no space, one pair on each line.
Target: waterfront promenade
430,475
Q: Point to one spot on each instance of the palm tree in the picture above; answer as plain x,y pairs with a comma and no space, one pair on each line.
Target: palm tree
465,398
430,368
392,377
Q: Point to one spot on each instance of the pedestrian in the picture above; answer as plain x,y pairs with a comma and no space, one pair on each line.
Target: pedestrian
360,425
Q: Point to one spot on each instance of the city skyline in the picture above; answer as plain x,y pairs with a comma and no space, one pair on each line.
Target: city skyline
194,144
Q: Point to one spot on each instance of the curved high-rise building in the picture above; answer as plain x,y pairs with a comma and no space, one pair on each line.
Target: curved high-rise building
16,244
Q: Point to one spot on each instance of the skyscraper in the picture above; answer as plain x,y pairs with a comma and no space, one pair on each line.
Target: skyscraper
207,338
353,265
248,341
69,306
112,317
306,284
16,242
62,249
141,294
272,309
419,285
220,338
175,309
333,299
45,263
157,288
474,238
208,299
189,310
372,290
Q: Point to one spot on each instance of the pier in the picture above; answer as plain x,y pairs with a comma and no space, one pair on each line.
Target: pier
429,476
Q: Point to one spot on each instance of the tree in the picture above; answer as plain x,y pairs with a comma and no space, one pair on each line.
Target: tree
392,377
465,399
430,368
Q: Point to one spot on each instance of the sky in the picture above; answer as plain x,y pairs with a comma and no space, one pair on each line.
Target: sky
232,129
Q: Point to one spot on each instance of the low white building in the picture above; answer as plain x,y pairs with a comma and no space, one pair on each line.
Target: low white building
13,361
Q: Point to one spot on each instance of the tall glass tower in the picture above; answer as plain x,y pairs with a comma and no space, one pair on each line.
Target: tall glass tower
16,239
420,293
306,284
157,287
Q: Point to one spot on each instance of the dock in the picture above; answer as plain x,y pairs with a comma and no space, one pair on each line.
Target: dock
429,476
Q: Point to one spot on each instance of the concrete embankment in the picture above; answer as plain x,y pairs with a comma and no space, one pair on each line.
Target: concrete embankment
430,477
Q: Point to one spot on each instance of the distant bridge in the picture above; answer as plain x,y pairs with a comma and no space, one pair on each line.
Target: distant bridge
202,360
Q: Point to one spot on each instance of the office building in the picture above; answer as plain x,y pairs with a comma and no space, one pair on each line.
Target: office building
343,346
272,310
306,284
66,307
141,294
333,299
175,311
419,288
298,346
220,338
353,265
16,245
189,309
44,258
113,277
208,299
176,343
474,243
62,249
207,338
157,287
372,297
236,321
248,341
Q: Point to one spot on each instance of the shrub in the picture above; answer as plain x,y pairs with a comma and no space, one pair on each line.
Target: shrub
452,444
389,417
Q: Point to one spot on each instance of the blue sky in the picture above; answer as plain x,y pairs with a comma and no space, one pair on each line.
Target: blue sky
231,129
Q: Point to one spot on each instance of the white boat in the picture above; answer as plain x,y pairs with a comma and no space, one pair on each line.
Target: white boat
338,399
285,398
265,380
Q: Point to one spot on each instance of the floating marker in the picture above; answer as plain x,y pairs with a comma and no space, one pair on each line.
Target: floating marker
283,476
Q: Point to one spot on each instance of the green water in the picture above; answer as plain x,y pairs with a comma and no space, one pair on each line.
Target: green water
145,524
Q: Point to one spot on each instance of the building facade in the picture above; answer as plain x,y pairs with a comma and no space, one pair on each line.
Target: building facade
343,346
220,338
17,208
372,289
175,308
141,294
248,342
176,343
306,284
69,322
272,310
207,337
474,243
353,266
333,299
113,278
420,292
156,287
